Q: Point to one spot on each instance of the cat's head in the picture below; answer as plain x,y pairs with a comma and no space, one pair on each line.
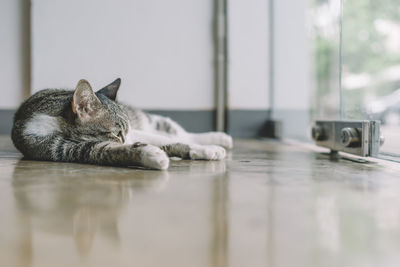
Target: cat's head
97,115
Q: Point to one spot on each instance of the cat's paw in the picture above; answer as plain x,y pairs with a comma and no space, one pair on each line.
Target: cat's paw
222,139
210,152
155,158
214,138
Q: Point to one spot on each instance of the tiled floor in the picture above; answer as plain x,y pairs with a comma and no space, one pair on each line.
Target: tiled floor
269,204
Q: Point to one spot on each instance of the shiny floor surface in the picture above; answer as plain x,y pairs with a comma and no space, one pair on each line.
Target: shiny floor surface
268,204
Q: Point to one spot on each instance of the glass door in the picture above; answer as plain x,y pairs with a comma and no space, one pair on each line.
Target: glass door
370,70
356,57
325,46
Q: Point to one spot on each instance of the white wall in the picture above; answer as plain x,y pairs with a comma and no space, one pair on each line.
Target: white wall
13,57
292,59
292,95
249,55
162,50
248,48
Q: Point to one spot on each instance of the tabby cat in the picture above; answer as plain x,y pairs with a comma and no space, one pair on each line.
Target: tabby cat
92,127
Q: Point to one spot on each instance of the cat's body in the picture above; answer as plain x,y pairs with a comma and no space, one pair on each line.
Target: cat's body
86,127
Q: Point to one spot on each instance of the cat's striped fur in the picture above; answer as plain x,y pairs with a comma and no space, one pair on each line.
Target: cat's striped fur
87,127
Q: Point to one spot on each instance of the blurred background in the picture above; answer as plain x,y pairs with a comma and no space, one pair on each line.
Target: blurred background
213,64
364,82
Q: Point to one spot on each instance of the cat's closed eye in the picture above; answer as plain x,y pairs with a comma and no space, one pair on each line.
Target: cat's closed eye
117,136
120,135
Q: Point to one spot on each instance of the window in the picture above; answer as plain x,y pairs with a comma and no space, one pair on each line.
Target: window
356,55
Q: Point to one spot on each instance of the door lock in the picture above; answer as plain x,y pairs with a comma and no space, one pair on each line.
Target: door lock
361,138
350,137
318,133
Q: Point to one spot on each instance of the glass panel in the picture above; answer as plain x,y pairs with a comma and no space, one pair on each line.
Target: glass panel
371,65
325,15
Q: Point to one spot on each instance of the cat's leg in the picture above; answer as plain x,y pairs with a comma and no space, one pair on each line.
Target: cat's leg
107,153
212,138
97,152
194,151
167,126
174,146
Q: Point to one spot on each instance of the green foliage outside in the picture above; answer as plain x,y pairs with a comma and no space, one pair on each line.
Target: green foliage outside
365,51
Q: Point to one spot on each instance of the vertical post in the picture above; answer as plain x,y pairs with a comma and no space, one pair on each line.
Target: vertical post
26,47
271,59
341,108
221,62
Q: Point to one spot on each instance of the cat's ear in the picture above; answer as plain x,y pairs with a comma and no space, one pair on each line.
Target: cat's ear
111,90
85,103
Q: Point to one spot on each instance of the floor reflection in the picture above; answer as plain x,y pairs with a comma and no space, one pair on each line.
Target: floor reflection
77,201
269,204
220,218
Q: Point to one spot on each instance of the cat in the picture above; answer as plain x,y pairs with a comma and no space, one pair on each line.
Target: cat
84,126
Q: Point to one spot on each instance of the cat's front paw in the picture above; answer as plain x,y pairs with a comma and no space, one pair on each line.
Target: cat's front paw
224,140
210,152
220,139
154,158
